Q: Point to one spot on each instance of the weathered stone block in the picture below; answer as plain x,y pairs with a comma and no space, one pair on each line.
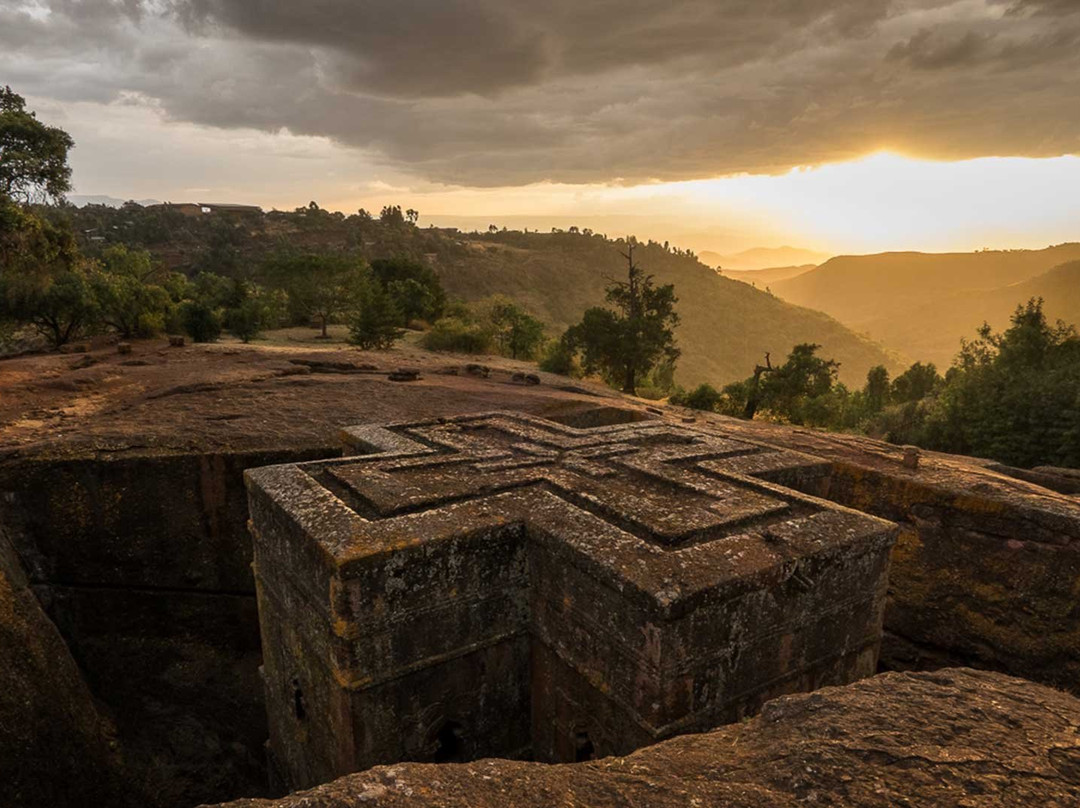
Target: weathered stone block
503,585
981,575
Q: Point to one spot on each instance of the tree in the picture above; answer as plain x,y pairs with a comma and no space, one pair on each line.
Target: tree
206,300
752,388
245,320
392,216
200,321
253,309
31,244
128,294
59,307
626,343
373,322
876,391
216,291
517,333
915,383
320,286
788,389
33,156
1014,396
44,281
414,287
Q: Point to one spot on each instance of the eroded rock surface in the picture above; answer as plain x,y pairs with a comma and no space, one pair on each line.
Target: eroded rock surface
56,748
123,479
955,737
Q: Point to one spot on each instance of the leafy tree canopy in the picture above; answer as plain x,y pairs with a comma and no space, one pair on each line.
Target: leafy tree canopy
915,383
131,292
413,286
627,342
1013,396
33,156
788,389
375,317
877,388
321,285
516,333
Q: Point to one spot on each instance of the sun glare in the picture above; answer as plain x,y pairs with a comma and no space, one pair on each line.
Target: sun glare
883,201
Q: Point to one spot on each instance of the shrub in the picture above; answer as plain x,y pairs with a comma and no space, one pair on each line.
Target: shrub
150,324
559,358
702,397
199,321
458,335
245,321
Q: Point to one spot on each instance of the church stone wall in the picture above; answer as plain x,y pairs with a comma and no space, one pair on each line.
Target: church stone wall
501,585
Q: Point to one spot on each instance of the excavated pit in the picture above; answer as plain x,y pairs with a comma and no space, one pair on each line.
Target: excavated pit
131,530
143,564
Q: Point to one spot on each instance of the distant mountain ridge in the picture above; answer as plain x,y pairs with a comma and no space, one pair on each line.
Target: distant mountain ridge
763,258
80,200
762,278
923,303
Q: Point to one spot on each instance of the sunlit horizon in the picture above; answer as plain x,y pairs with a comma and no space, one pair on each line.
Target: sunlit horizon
883,201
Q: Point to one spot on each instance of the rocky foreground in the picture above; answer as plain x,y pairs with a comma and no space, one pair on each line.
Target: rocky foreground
955,737
129,641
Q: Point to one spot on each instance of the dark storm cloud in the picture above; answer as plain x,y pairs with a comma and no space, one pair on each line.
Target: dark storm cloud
489,92
1058,7
413,47
928,51
449,47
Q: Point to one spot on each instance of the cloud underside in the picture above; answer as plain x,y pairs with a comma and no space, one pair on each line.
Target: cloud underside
505,92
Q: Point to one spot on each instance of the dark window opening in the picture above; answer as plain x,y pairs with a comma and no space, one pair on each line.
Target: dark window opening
450,746
298,701
583,747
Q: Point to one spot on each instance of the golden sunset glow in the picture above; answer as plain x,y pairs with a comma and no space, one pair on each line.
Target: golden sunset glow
838,125
883,201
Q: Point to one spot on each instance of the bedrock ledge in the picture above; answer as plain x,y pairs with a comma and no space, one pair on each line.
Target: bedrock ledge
956,737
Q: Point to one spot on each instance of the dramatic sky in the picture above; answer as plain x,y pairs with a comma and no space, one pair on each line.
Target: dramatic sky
839,125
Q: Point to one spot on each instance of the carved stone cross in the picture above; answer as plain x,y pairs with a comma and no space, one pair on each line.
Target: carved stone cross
503,585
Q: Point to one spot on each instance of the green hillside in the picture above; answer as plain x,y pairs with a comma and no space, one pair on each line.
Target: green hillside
1060,288
960,314
922,304
727,326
